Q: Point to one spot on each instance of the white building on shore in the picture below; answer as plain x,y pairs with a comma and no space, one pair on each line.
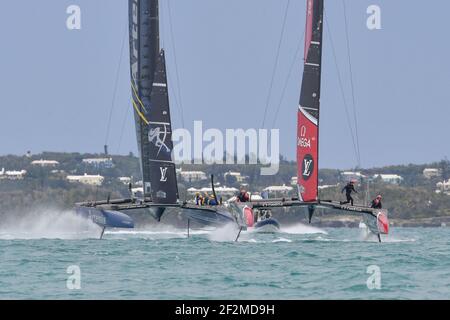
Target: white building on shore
389,178
443,187
237,175
352,175
93,180
431,173
278,190
45,163
192,176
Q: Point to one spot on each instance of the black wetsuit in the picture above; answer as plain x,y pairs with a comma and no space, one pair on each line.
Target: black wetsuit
376,205
349,188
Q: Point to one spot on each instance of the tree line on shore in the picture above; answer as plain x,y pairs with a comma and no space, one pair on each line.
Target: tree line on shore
415,197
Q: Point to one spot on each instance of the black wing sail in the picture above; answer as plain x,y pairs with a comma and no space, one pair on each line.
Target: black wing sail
144,51
162,171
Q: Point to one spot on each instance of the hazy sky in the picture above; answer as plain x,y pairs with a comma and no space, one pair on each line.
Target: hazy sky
57,85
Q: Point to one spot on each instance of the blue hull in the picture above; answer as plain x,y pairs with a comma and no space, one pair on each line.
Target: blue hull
105,218
267,225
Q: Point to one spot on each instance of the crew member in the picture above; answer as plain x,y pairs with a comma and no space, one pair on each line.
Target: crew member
198,199
132,195
243,196
349,188
213,201
206,199
376,203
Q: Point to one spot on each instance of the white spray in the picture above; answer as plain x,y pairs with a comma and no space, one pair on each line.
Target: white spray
47,223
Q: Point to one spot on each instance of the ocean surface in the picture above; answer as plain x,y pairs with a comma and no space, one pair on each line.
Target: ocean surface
59,257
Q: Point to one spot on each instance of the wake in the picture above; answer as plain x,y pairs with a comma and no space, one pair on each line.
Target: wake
155,232
301,228
46,223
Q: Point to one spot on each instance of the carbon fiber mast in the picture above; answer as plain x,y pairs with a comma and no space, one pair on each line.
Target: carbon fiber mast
144,53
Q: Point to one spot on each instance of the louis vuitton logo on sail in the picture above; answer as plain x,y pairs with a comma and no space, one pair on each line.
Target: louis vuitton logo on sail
307,166
163,174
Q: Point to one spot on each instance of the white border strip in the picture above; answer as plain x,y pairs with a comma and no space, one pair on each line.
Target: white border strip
307,115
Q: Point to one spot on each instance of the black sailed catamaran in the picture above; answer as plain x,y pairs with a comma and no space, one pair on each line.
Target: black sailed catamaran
150,102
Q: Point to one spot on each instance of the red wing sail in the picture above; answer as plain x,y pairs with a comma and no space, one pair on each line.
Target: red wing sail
308,110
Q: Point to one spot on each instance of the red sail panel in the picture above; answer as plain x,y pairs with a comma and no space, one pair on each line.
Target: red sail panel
307,156
308,110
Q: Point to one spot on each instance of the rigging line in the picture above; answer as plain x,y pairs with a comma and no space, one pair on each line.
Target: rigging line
116,83
341,87
351,81
169,11
163,41
276,63
174,94
163,32
288,79
135,94
141,115
127,112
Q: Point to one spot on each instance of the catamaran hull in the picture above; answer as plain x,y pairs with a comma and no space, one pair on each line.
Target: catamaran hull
105,218
237,213
209,217
267,226
377,223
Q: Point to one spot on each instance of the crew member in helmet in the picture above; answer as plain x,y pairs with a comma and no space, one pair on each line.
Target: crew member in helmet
349,188
376,203
243,195
213,201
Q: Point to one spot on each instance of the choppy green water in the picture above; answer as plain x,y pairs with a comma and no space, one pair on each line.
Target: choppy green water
300,262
